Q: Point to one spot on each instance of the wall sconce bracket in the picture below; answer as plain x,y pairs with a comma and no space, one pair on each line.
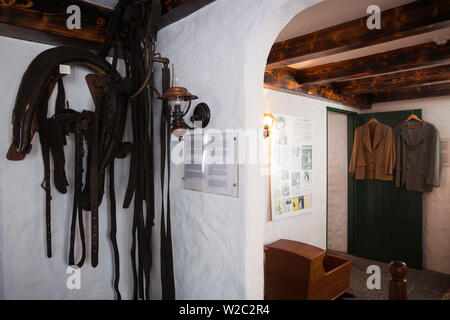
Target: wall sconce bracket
201,113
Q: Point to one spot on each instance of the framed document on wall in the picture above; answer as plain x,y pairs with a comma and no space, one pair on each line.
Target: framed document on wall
210,163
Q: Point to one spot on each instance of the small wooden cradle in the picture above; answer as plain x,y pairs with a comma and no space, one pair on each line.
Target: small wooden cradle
299,271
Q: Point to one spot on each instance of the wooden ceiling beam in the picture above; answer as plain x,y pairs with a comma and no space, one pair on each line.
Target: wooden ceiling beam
426,91
284,79
422,55
50,17
407,20
395,80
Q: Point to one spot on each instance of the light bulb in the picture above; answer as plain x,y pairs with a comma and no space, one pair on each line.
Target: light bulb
268,122
177,104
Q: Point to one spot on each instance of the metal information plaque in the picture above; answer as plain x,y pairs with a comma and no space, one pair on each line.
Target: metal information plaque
210,163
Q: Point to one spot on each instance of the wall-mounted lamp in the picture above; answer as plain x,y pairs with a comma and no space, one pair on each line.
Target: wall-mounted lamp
268,122
440,41
179,100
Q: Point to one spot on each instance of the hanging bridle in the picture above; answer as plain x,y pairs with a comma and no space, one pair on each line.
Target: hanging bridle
132,30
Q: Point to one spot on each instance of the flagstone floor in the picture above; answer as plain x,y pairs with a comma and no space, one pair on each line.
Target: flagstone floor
422,284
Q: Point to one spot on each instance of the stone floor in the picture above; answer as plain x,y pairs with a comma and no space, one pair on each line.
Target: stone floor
422,284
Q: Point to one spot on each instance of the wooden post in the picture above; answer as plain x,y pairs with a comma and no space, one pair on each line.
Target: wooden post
397,285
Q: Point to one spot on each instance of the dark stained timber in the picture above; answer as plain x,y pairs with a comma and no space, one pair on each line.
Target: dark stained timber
395,80
45,20
422,55
426,91
51,17
412,72
284,79
411,19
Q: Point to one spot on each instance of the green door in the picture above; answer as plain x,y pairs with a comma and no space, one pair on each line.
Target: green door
386,223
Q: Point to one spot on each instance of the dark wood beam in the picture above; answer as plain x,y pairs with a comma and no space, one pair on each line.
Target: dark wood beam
20,33
44,21
423,55
395,80
435,90
283,79
411,19
50,17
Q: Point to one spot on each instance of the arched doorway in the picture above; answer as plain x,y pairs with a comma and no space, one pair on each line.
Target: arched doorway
260,43
218,247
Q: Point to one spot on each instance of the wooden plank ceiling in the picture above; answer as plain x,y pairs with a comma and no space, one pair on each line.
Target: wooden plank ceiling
45,20
417,71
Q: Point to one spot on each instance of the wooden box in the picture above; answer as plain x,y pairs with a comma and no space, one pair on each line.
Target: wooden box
299,271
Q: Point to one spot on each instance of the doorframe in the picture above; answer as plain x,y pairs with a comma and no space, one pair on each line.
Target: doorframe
351,182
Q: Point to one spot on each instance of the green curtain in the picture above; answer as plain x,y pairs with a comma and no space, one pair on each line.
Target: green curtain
386,222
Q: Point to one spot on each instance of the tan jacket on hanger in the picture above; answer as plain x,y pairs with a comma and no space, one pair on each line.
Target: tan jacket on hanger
373,155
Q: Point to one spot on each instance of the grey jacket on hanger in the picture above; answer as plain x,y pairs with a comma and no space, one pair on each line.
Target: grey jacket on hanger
418,165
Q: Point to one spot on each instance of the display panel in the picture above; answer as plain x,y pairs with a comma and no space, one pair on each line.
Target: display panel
210,163
291,151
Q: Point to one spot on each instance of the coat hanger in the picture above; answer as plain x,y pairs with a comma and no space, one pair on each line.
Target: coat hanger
416,118
373,120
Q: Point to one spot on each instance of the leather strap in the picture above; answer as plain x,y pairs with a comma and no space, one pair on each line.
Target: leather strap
112,29
115,133
94,191
60,104
133,183
77,211
47,188
46,185
141,180
57,141
149,189
167,276
113,231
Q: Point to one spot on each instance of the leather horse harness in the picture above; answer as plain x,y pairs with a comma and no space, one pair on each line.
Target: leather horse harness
131,29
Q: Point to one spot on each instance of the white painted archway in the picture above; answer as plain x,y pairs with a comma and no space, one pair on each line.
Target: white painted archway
259,49
220,54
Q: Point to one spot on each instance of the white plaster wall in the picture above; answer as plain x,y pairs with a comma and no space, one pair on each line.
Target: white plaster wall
25,270
310,227
337,181
436,205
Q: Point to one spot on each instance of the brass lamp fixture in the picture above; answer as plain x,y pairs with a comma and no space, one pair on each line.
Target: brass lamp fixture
268,123
179,100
